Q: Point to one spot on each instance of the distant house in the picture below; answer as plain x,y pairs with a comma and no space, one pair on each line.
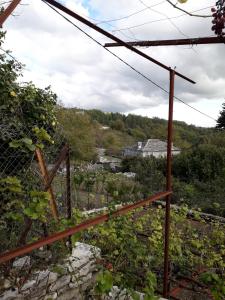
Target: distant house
108,162
153,147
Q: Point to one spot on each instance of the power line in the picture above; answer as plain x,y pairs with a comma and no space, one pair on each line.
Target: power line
204,114
126,63
160,20
133,14
106,22
99,22
162,14
124,17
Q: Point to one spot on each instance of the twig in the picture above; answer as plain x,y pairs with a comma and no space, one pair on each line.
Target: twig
188,13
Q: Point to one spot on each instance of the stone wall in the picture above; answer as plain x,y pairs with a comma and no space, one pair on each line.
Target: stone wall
69,280
72,280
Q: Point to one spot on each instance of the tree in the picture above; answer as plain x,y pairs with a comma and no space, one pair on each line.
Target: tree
79,130
27,119
27,115
221,119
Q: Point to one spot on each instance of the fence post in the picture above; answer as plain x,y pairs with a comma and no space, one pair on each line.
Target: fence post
8,11
68,191
168,187
45,176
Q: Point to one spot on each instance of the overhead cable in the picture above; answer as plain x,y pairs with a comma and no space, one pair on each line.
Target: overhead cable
160,20
126,63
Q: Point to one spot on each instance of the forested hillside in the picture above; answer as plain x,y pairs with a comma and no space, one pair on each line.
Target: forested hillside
84,130
199,171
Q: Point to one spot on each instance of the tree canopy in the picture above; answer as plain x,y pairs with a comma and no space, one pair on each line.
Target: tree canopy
27,114
221,119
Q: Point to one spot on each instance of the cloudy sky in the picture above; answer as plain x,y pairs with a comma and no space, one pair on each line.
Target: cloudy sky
84,75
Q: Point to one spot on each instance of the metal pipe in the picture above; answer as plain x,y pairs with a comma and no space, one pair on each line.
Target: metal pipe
168,187
87,224
45,176
61,157
68,192
177,42
68,186
8,11
111,36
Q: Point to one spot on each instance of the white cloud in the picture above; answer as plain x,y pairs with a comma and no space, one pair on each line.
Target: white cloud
84,75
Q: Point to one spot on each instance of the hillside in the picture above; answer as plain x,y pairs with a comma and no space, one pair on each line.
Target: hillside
84,129
198,171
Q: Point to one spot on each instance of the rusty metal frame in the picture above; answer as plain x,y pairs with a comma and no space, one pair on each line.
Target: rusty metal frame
176,42
168,186
65,154
8,11
112,37
62,156
45,176
78,228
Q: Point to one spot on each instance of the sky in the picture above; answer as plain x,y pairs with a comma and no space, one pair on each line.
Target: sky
84,75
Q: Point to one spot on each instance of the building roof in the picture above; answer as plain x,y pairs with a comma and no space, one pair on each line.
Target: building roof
151,145
156,145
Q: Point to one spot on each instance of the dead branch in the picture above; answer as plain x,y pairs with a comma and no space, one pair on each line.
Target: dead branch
188,13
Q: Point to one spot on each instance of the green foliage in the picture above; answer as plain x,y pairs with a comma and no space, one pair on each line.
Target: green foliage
11,204
204,163
216,284
199,177
116,187
141,128
151,284
27,115
19,202
118,125
132,246
79,131
104,282
37,207
149,172
221,118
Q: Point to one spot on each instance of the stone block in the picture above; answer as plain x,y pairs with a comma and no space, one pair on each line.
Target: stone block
11,295
60,283
45,277
82,250
71,294
21,262
28,285
51,296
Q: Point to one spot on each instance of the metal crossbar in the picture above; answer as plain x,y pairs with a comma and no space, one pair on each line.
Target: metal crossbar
78,228
103,218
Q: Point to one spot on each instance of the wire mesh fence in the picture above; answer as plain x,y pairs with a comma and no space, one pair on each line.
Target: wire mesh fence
22,182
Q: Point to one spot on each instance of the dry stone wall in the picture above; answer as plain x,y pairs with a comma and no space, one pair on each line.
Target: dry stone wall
69,281
72,280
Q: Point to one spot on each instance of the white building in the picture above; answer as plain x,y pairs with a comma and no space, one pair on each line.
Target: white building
153,147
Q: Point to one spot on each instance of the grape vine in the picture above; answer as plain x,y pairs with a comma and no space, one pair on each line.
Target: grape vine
219,18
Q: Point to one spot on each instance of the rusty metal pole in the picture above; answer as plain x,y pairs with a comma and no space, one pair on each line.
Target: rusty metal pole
68,193
45,176
168,187
74,15
177,42
68,186
6,256
8,11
